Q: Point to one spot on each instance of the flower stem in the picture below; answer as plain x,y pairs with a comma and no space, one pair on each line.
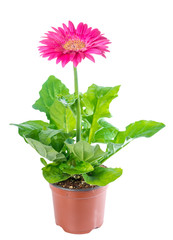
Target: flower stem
78,109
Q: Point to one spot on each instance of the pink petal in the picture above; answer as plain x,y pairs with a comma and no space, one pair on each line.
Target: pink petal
90,57
55,29
52,56
75,62
58,60
62,31
85,27
94,50
72,56
103,55
95,32
71,27
65,28
64,62
79,58
79,28
82,55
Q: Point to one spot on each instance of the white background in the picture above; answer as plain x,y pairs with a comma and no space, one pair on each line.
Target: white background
140,203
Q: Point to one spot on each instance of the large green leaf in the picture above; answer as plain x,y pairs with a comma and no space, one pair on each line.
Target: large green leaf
135,130
99,99
83,151
86,105
44,133
45,136
54,137
45,151
138,129
106,133
51,90
31,128
57,141
53,174
102,176
62,116
79,167
143,128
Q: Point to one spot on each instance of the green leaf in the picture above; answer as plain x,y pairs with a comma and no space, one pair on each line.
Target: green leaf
102,176
60,158
83,151
137,129
106,133
98,156
51,90
57,142
43,161
53,174
31,128
45,151
46,135
114,147
62,116
79,167
143,128
87,106
99,98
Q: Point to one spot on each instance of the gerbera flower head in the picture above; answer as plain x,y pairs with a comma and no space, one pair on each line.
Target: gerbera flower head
73,44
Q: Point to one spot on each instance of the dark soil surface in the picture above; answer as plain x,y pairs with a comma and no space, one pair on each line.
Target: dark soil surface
75,183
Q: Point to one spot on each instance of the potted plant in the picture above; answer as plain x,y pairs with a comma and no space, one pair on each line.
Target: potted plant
76,125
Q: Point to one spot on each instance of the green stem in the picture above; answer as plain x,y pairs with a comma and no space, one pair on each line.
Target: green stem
78,109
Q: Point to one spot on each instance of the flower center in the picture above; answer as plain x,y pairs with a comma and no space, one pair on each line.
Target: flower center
74,45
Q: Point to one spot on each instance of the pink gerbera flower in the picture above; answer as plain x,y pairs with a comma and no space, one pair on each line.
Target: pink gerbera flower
73,44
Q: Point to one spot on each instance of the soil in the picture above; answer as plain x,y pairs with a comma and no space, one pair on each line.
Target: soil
76,182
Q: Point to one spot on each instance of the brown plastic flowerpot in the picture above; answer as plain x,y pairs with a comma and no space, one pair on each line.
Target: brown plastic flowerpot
79,211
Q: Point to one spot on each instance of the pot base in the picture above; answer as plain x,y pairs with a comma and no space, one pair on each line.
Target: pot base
78,232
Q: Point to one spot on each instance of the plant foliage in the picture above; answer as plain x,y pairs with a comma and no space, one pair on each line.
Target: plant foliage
55,140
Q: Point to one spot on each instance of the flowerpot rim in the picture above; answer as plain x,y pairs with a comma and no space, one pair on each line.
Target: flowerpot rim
75,189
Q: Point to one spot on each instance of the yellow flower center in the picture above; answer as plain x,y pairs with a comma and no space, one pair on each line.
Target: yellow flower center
74,45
